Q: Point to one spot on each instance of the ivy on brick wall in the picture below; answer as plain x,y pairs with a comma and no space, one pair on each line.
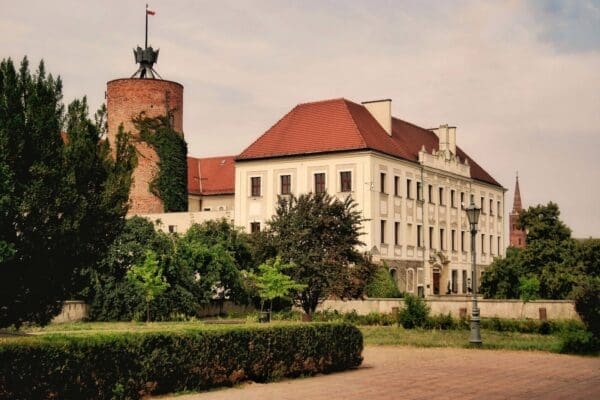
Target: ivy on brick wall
170,182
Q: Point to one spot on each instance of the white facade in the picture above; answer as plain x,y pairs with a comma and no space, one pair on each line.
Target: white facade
407,221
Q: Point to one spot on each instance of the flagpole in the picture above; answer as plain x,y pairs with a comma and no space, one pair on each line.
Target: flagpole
146,26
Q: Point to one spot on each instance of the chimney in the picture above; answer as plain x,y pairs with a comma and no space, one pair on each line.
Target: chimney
381,110
447,137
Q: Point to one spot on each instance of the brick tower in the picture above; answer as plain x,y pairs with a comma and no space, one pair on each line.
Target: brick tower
126,98
517,236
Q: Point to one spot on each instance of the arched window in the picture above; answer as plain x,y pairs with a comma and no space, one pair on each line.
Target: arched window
410,280
394,274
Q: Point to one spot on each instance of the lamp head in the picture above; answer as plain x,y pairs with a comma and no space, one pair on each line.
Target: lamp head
473,213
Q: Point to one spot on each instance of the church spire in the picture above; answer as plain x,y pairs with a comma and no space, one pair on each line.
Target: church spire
517,206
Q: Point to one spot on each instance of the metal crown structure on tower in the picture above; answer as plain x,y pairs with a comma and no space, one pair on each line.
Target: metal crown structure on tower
146,57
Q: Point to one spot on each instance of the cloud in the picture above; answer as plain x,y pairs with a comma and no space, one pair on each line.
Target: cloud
519,79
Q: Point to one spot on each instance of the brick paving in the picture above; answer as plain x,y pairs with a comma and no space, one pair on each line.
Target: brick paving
418,373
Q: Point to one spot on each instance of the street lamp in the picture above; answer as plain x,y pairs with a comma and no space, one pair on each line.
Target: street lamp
473,216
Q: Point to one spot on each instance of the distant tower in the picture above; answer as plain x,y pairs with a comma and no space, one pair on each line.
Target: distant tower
144,92
517,236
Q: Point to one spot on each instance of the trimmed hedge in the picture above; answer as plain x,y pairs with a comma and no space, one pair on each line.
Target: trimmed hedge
132,365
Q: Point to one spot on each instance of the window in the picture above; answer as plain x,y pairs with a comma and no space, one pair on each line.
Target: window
172,228
491,244
382,231
454,281
431,237
255,184
462,199
453,238
462,241
382,182
491,207
320,182
452,199
346,181
499,210
442,237
408,186
430,194
499,247
472,198
482,205
483,243
396,186
396,233
419,235
464,281
254,227
410,280
419,191
286,184
441,190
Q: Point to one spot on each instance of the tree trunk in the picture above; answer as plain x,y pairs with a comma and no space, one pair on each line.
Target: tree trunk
147,311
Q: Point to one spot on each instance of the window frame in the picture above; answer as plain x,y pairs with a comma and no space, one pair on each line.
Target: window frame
346,178
255,186
320,187
287,185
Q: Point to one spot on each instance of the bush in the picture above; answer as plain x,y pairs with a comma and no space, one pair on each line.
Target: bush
587,303
579,342
382,285
442,321
130,366
415,312
530,325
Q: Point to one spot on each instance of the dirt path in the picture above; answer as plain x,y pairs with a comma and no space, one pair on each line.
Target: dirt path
441,373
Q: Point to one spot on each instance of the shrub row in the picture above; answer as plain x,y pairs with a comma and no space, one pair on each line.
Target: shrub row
133,365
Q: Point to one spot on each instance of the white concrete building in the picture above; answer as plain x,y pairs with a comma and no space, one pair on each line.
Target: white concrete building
409,182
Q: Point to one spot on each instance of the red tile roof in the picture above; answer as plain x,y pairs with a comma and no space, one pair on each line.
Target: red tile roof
211,176
341,125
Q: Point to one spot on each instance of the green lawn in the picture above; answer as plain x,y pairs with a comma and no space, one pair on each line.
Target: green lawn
373,335
392,335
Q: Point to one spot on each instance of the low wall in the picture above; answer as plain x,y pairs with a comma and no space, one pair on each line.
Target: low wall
72,311
510,309
77,310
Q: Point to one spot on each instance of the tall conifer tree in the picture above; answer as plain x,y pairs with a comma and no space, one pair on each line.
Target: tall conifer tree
63,196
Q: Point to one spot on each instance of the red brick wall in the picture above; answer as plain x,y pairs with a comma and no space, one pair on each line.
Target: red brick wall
126,98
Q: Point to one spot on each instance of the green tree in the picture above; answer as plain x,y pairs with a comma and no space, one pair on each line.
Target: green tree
112,297
63,197
272,283
529,288
318,234
148,279
415,312
382,284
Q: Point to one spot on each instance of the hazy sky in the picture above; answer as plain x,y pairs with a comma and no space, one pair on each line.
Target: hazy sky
520,80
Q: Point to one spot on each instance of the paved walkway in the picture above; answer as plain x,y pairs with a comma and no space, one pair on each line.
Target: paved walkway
417,373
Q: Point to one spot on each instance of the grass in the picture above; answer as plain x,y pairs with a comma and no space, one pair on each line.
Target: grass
393,335
373,335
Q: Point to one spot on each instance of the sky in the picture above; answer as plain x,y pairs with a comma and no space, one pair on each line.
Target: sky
519,79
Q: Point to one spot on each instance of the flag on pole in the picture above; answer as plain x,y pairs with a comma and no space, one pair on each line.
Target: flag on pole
150,12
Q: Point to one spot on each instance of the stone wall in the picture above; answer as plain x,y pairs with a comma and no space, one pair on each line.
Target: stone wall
72,311
489,308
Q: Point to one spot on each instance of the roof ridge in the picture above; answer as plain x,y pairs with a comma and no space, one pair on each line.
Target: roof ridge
265,132
411,124
211,157
360,134
322,101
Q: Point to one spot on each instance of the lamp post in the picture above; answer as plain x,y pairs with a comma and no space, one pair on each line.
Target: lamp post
473,216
